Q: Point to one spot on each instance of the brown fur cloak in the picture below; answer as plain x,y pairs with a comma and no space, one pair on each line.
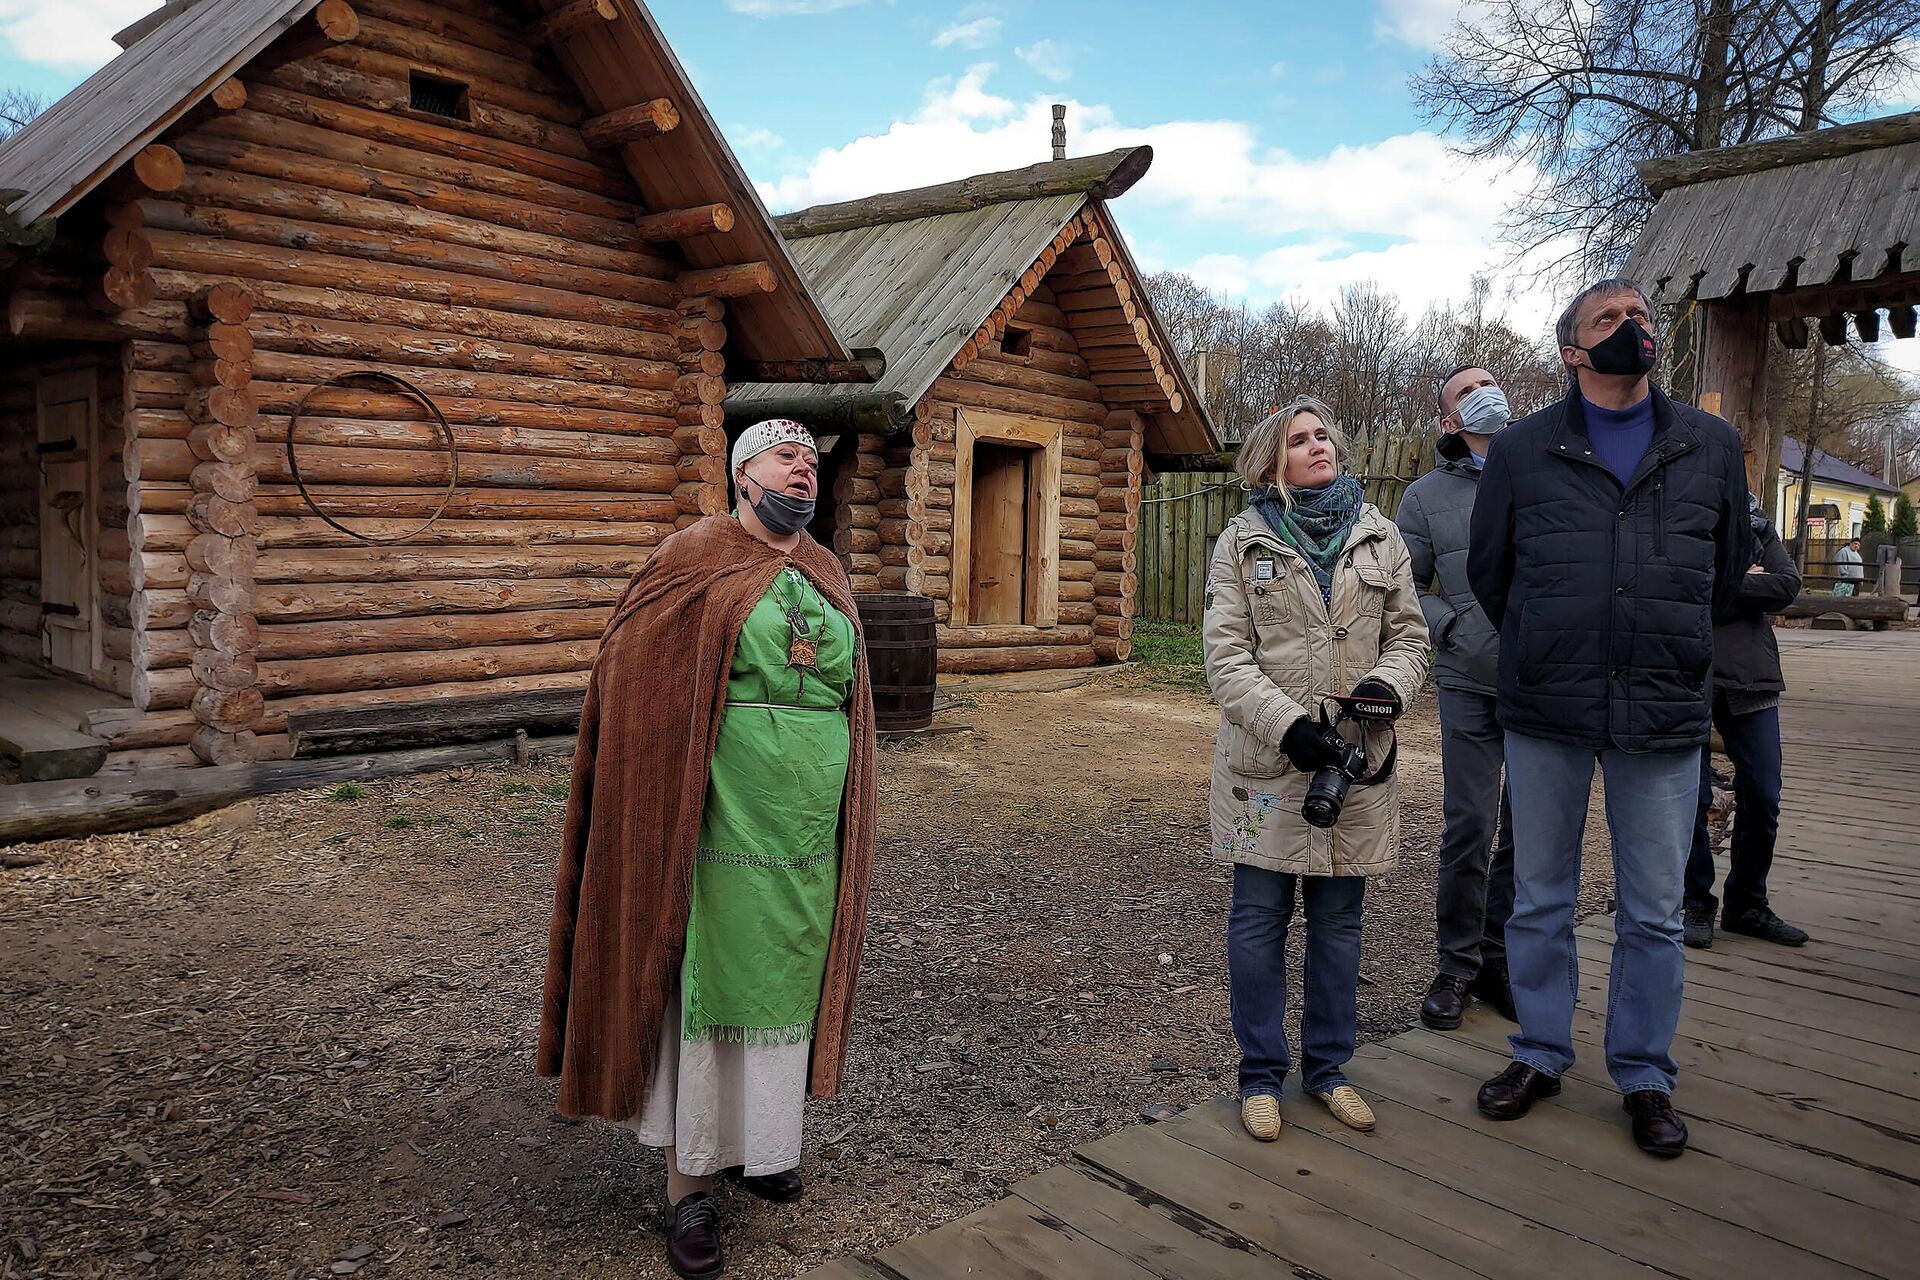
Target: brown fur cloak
647,731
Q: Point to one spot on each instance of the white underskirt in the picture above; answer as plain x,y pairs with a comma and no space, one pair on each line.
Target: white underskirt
721,1103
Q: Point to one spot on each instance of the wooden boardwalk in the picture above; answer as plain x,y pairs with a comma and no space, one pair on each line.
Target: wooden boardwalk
1800,1081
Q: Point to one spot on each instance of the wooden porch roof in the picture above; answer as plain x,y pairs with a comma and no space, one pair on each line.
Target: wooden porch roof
1834,206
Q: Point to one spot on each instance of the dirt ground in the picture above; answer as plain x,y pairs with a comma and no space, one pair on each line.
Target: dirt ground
295,1039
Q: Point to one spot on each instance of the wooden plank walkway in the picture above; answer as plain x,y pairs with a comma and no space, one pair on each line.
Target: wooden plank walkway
1800,1081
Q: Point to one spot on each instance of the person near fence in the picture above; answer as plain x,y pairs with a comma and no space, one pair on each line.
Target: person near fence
1474,895
1310,597
711,895
1610,530
1852,570
1747,683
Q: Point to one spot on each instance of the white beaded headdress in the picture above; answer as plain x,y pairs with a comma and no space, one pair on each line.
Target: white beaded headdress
771,434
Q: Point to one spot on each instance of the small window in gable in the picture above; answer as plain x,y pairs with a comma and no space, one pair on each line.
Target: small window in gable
437,96
1016,343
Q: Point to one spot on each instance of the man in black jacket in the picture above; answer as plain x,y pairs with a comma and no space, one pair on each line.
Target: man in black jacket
1609,531
1746,709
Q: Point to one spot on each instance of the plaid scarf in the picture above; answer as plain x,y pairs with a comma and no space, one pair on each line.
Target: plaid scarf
1316,523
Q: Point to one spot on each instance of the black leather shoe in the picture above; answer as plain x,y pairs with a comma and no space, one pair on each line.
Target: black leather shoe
1446,1002
1761,923
1656,1129
1512,1093
781,1188
1494,989
693,1238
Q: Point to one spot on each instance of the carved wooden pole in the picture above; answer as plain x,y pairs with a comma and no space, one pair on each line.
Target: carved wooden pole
223,554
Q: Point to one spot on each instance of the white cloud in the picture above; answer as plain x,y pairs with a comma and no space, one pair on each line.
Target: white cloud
72,34
1045,57
977,34
1404,210
753,138
788,8
1419,22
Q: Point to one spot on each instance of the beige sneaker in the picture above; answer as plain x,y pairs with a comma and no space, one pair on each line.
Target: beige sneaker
1348,1107
1261,1115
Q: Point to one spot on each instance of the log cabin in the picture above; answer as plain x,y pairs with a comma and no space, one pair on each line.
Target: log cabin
357,353
995,464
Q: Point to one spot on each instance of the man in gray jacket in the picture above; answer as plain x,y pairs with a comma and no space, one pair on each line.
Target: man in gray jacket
1476,873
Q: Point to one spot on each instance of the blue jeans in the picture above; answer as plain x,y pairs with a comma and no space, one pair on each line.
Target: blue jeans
1257,976
1651,799
1753,744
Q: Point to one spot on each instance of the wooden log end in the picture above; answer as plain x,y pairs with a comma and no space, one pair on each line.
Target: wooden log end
159,167
229,95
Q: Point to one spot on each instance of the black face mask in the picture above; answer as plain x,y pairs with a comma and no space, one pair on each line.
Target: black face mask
1627,350
781,513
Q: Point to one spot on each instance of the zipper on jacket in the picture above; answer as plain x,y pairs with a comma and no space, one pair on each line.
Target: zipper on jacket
1660,519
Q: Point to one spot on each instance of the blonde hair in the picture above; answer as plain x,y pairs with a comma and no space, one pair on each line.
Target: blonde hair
1264,450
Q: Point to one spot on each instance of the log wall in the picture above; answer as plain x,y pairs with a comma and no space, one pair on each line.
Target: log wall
492,262
1100,469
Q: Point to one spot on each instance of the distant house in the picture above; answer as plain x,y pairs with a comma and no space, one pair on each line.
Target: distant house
1837,497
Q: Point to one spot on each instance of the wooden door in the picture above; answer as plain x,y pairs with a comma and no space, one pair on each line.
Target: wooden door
69,519
997,584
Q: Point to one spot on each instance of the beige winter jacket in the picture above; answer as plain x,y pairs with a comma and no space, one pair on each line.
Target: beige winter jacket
1274,650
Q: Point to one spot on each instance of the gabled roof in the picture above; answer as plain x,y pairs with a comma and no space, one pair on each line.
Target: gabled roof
916,274
1807,209
916,290
1829,468
171,65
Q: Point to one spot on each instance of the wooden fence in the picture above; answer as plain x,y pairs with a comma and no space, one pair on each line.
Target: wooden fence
1183,513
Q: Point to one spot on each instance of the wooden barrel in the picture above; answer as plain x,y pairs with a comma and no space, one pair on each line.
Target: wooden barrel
902,654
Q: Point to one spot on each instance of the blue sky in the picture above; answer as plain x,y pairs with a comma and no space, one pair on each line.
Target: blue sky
1288,155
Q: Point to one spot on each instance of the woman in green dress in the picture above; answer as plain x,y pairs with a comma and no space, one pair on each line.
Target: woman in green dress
769,922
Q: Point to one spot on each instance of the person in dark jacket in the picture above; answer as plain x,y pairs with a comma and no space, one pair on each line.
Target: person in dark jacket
1746,710
1475,891
1610,531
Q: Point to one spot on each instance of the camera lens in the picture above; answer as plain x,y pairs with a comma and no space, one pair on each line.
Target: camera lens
1326,795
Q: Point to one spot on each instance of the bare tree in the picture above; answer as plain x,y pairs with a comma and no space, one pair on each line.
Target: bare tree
17,107
1581,90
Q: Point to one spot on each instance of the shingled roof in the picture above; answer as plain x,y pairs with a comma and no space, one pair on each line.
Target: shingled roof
914,274
1839,204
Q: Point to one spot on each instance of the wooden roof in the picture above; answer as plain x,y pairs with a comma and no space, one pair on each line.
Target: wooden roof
173,64
1838,205
79,141
917,285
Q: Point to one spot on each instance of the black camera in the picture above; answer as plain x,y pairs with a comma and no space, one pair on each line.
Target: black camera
1327,790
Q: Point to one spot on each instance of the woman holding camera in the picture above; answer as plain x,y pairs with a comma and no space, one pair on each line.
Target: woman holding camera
1314,644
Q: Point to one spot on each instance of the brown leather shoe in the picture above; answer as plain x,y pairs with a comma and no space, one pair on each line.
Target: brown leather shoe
693,1238
1512,1093
1656,1129
784,1187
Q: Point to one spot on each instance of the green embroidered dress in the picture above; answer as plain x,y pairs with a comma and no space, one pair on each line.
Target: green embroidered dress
767,873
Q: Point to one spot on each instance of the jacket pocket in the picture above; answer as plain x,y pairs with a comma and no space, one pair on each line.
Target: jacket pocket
1375,581
1660,519
1271,604
1247,755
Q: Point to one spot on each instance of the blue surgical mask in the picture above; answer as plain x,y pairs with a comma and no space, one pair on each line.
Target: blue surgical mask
1483,410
